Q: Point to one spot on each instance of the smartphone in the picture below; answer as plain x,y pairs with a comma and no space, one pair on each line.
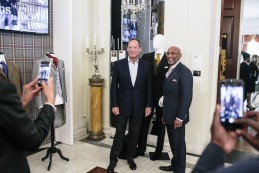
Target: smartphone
231,102
44,72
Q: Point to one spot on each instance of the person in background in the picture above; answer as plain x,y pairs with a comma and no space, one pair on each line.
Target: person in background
159,66
176,101
253,68
131,98
223,142
245,76
18,133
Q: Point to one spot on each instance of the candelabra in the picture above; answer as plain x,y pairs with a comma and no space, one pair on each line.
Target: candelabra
129,6
94,54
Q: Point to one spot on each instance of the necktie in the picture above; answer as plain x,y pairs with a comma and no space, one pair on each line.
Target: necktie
55,60
168,72
157,59
5,68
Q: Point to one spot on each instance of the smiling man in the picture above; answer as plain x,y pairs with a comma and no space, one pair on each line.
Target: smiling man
176,102
131,98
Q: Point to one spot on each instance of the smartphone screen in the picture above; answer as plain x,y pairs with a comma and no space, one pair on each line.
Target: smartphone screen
44,71
231,101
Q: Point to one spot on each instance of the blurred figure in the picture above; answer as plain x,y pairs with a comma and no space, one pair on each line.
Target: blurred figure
223,142
18,132
245,76
254,74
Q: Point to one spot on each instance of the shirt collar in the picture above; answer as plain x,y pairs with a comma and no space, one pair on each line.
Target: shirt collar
173,66
129,60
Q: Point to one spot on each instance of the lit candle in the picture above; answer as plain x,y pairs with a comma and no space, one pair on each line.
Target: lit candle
87,42
95,39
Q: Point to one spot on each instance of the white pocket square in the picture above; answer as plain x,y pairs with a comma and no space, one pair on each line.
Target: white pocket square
166,67
174,80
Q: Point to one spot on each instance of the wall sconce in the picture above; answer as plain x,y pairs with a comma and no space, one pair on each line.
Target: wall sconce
94,54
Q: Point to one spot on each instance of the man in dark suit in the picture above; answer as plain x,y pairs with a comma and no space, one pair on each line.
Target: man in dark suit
223,141
18,132
176,102
159,66
131,98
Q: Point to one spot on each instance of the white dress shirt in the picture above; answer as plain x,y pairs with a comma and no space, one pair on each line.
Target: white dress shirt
133,68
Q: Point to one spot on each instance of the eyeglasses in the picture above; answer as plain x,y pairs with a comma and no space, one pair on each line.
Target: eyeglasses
171,53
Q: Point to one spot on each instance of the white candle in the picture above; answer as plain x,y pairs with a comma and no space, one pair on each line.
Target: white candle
94,39
133,2
87,42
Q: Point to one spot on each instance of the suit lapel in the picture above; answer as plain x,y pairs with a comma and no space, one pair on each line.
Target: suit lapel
139,73
172,75
125,64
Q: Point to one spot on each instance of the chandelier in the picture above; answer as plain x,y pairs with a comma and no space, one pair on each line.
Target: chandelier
132,7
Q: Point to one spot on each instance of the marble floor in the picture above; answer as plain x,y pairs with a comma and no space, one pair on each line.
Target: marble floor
84,156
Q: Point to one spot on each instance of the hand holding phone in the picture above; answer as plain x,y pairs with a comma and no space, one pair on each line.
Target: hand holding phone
44,72
231,101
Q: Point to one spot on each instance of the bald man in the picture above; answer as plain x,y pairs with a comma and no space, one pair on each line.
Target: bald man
176,101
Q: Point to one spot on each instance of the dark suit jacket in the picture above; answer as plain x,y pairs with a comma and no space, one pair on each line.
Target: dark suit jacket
212,160
177,94
245,76
159,76
18,133
131,100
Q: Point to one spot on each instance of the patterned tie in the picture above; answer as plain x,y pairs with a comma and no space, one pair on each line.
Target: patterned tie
5,68
157,59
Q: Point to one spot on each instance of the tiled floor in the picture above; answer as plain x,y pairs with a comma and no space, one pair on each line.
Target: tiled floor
84,156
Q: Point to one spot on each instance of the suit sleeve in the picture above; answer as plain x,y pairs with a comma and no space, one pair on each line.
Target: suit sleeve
149,86
186,84
16,124
114,86
211,158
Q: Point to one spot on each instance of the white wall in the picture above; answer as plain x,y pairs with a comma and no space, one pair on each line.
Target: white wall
62,38
195,29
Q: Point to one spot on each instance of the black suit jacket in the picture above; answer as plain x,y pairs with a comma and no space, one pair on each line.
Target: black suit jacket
159,76
131,100
245,76
212,160
18,133
177,94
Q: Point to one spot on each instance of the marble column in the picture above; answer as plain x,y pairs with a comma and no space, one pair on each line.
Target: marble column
96,120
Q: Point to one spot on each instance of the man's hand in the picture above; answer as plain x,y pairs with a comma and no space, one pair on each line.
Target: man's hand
48,90
147,111
29,91
220,136
177,123
160,102
246,121
115,110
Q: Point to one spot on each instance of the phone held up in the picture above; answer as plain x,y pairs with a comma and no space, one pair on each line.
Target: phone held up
44,72
231,102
